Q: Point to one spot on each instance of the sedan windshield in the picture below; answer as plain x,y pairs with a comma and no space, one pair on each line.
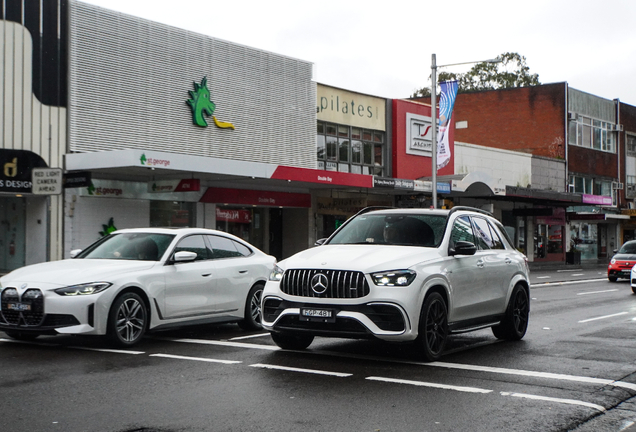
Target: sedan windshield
129,246
394,229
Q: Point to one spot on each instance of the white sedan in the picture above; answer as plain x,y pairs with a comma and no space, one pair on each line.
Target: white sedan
137,280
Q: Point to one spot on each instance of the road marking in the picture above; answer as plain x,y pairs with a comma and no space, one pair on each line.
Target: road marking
547,284
107,350
29,343
250,336
225,343
428,384
597,292
558,400
203,359
532,374
578,274
568,270
544,277
603,317
311,371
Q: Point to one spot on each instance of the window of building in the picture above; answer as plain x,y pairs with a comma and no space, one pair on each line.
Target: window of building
350,149
592,133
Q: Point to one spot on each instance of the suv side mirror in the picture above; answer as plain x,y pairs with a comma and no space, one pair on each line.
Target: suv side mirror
320,242
463,248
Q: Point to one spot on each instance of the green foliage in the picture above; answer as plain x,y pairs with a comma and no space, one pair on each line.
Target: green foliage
107,229
511,72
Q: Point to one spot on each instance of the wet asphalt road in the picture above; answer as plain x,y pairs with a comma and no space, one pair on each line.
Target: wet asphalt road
574,370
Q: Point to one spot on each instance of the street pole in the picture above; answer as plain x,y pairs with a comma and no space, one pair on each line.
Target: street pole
434,128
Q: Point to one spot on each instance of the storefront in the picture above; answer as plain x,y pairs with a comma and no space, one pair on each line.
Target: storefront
594,235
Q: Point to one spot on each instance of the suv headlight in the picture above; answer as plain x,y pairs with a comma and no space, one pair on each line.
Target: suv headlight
394,278
83,289
277,274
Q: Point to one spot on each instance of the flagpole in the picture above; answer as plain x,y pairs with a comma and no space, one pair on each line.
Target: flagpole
434,129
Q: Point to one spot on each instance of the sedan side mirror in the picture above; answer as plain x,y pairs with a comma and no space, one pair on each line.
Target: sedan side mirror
184,256
463,248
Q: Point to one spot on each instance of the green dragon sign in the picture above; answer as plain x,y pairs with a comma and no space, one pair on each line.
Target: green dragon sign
202,105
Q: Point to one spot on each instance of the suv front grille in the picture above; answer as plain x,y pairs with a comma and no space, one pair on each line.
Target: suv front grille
335,283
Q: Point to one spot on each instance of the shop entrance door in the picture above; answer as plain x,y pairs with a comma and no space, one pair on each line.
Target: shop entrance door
276,233
12,233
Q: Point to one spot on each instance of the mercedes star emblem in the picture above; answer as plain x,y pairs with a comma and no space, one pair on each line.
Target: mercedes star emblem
319,283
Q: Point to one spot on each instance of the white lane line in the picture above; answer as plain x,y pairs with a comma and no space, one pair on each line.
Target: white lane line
558,400
29,343
603,317
597,292
547,284
578,274
568,270
107,350
544,277
250,336
226,343
311,371
428,384
533,374
202,359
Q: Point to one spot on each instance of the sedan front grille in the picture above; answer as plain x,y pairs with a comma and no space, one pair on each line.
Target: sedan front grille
31,299
324,283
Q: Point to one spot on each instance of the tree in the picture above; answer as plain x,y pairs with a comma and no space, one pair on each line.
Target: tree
511,72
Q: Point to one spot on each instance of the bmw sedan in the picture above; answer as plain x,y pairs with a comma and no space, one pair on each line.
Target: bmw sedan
138,280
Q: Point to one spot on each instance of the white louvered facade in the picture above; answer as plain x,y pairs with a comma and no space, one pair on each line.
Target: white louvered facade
129,82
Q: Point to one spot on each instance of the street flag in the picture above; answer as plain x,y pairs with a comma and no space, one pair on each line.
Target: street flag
446,103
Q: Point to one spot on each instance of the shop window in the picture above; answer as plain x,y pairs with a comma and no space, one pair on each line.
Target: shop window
172,214
350,149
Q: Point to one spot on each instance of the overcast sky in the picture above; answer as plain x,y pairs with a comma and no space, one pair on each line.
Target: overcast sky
384,48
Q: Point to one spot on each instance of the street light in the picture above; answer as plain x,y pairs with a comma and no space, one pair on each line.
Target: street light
434,67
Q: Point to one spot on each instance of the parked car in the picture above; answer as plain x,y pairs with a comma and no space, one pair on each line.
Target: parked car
402,275
135,280
621,264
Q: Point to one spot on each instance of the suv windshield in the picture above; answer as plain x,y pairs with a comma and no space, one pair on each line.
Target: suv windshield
393,229
129,246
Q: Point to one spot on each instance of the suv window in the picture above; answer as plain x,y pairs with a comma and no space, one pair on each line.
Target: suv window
462,231
497,243
484,237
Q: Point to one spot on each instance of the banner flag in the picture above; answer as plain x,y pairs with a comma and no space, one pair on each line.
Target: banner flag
446,103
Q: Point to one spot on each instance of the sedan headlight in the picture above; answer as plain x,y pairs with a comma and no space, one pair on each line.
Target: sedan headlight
394,278
277,274
83,289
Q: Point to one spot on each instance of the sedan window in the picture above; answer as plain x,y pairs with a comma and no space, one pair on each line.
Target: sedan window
223,247
196,244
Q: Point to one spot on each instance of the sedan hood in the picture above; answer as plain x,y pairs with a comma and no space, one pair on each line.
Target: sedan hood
364,258
73,271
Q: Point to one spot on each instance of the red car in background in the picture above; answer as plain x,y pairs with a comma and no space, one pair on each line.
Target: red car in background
622,262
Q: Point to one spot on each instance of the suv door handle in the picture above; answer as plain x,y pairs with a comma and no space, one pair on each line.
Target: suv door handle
480,263
508,261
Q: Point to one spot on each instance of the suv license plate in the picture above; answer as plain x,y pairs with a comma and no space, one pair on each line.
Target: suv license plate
19,307
322,315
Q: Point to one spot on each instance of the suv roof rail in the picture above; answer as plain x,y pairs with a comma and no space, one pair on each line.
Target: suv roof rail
372,208
467,208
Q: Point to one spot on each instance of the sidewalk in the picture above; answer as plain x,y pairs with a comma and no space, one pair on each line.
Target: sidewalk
555,266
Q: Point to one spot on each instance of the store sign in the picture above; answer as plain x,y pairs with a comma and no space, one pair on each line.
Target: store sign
597,199
347,108
202,105
184,185
77,179
322,177
255,198
419,135
236,216
46,181
15,170
393,183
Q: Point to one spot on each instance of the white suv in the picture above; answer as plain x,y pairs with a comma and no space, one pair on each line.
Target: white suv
402,275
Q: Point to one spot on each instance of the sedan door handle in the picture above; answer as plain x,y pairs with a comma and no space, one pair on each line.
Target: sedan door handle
242,271
206,274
